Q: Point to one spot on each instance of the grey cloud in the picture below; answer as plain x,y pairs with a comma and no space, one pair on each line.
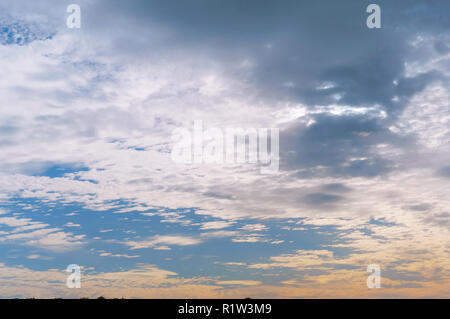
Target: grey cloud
441,47
318,199
295,48
336,188
218,195
8,129
444,172
337,145
308,44
318,53
419,207
141,181
438,219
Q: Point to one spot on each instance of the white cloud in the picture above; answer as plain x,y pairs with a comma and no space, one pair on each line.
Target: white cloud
70,224
106,254
254,227
163,241
216,225
40,235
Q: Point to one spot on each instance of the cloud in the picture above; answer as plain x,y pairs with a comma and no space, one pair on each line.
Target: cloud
338,145
248,239
220,234
216,225
163,240
218,195
36,256
300,259
239,282
106,254
57,241
70,224
254,227
283,42
438,219
336,188
27,232
419,207
363,119
15,32
318,199
444,172
146,281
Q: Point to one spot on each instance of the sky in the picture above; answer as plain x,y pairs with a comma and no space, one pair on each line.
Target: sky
87,117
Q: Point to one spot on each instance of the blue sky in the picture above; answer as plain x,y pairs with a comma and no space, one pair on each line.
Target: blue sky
86,174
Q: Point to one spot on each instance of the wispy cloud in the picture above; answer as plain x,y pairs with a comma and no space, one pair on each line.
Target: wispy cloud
163,240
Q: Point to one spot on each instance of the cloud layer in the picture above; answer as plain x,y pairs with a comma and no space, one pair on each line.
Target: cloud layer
86,118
